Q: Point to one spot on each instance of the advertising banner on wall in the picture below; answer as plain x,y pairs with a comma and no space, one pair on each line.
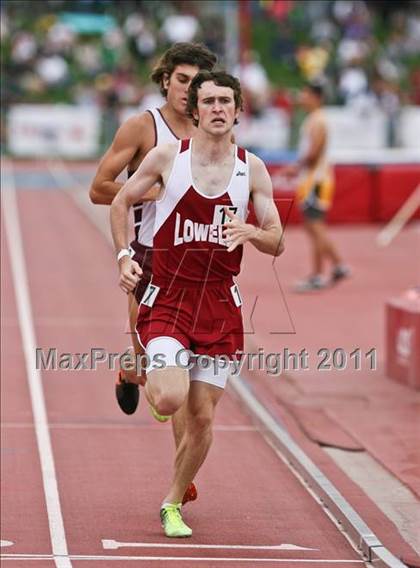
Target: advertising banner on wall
63,131
360,129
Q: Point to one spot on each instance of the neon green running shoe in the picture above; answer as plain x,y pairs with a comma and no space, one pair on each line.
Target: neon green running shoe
172,523
157,416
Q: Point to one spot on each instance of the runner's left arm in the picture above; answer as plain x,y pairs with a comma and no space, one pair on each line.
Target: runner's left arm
267,237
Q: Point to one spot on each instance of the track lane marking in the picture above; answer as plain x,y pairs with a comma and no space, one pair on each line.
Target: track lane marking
24,309
114,545
178,559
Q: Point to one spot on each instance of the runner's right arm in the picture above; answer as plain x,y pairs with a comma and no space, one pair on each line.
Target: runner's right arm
152,170
132,140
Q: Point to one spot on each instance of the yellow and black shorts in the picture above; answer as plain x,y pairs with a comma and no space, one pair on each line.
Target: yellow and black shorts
315,195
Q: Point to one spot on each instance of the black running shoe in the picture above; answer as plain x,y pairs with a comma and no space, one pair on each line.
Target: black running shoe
339,273
127,394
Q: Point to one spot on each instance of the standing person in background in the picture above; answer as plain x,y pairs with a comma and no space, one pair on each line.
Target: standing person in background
315,190
134,139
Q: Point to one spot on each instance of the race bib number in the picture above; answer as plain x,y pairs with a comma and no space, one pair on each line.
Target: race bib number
220,217
150,295
237,298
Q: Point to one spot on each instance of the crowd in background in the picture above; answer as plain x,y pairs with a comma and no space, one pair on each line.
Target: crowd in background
101,51
89,51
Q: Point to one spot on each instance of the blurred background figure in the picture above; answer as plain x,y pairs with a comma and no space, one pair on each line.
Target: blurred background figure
254,81
315,190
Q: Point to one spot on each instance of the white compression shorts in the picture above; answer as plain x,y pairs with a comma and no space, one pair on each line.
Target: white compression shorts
167,351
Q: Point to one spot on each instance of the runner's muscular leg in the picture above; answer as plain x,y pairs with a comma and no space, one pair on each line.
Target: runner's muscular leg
178,423
328,248
196,442
167,389
316,246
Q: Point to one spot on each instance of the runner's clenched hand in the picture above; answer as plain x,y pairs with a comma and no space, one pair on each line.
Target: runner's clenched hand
130,274
236,232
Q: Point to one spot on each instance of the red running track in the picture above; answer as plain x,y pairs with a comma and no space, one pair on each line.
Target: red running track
113,470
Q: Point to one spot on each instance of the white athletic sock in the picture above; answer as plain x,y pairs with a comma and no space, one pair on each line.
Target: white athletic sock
165,504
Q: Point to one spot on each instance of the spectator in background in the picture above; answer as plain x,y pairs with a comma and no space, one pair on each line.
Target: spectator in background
387,96
315,190
60,39
180,28
353,49
254,81
88,58
415,86
404,37
312,61
353,84
52,69
264,126
140,31
24,48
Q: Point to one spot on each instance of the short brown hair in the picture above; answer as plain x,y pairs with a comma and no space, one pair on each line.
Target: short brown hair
182,53
219,78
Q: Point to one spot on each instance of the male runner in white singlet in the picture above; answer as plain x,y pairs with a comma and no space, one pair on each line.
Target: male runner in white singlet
193,302
134,139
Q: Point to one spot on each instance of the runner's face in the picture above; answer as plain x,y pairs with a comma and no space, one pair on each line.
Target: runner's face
216,110
178,85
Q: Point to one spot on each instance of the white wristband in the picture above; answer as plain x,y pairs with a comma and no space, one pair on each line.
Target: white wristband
122,253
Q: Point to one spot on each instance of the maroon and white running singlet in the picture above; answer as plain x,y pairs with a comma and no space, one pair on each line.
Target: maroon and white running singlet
144,213
192,296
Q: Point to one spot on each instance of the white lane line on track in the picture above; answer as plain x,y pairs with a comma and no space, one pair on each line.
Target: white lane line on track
23,303
114,544
181,558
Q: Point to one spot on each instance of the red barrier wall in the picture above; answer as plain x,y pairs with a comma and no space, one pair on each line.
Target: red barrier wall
363,193
284,196
353,195
395,184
